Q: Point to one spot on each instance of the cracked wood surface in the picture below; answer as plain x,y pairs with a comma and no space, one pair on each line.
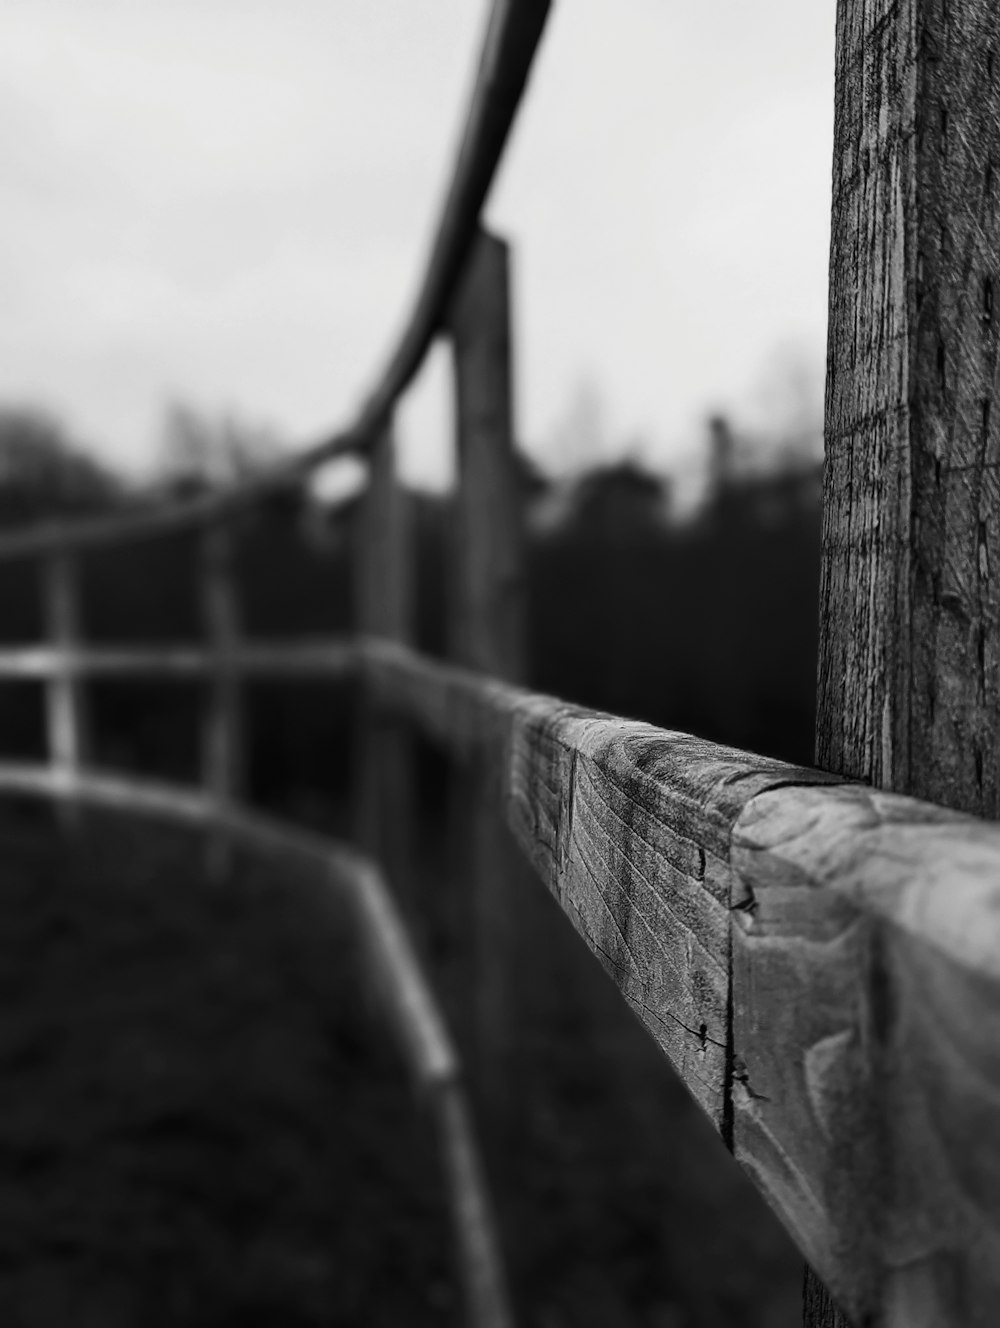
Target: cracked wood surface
910,661
909,678
866,996
818,960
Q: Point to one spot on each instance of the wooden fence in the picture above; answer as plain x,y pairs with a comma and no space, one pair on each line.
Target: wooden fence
818,958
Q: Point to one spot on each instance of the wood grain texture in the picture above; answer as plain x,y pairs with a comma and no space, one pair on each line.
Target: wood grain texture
909,680
818,960
910,657
384,607
629,827
866,995
819,1309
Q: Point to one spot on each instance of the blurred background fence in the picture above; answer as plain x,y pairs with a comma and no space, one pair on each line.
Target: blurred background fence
798,985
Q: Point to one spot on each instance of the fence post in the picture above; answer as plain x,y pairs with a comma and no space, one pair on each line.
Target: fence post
383,588
223,752
65,707
486,628
909,684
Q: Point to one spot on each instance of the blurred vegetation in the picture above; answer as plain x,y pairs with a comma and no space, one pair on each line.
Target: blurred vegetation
44,473
706,623
619,1205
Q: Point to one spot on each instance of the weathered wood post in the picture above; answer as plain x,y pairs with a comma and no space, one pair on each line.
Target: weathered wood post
486,624
65,705
384,590
223,735
909,683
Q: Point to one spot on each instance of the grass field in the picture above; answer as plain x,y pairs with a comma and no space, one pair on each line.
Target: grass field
200,1123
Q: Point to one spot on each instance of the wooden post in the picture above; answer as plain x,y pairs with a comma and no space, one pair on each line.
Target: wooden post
384,575
486,627
909,674
66,714
223,736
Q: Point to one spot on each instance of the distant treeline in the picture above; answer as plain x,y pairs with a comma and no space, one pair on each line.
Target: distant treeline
708,626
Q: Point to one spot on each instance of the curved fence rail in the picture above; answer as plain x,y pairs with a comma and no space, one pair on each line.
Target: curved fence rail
325,657
513,32
817,958
410,1009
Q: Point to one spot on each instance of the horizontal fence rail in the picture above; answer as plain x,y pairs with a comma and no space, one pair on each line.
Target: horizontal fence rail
820,962
392,966
328,657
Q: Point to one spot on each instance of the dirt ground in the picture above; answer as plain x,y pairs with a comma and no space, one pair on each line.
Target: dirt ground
201,1125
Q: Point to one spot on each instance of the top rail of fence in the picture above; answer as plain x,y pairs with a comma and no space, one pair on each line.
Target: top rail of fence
513,32
819,960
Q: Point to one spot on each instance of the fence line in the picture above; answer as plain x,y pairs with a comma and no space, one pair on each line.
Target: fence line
817,958
513,32
766,923
762,920
326,657
409,1006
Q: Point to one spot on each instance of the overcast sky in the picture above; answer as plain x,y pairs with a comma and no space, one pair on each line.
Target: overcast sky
229,202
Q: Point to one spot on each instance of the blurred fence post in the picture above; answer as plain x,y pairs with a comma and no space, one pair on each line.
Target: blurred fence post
909,691
223,753
486,632
384,587
65,703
